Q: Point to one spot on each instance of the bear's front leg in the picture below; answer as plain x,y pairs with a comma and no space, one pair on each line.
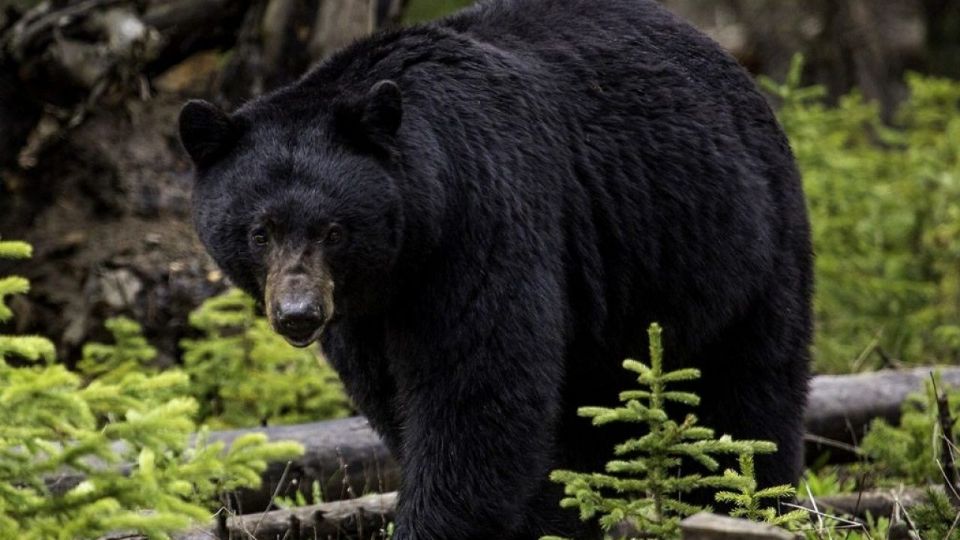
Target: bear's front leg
356,352
480,402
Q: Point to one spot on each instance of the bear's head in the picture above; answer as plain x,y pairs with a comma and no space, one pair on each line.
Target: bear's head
298,202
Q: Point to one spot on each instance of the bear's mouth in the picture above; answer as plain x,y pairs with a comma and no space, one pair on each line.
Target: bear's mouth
301,340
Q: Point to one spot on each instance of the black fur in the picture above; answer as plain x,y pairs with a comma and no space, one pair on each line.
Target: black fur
564,173
206,131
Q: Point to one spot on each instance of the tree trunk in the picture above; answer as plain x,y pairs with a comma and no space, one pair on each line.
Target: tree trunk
339,23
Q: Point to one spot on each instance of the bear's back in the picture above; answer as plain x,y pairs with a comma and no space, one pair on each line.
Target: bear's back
619,32
683,183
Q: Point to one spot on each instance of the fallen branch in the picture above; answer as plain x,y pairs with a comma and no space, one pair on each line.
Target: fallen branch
362,518
880,502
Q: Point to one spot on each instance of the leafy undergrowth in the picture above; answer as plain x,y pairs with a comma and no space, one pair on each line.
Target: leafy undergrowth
241,372
884,204
248,375
63,439
646,486
918,452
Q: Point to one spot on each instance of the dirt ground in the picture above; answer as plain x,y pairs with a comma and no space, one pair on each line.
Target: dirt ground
107,210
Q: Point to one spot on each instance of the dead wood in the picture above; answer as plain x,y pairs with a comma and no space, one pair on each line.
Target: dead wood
362,518
841,407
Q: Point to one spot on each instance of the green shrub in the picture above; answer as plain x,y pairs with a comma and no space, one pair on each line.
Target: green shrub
885,208
824,480
647,486
244,374
937,517
129,353
53,423
910,451
754,504
241,372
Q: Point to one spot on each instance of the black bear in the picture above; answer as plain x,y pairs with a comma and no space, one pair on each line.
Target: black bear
479,217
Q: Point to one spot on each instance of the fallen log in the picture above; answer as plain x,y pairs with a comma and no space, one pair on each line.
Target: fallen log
344,457
348,459
363,518
841,407
878,502
706,526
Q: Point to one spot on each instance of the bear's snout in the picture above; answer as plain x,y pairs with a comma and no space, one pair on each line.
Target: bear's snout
299,320
298,294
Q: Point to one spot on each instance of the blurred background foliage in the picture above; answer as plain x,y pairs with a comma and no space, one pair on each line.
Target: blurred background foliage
884,203
426,10
65,439
243,373
240,372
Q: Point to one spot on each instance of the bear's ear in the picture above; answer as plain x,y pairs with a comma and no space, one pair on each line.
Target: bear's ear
206,132
374,118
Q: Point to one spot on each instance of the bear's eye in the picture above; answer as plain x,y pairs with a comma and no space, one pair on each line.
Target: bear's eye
259,236
334,235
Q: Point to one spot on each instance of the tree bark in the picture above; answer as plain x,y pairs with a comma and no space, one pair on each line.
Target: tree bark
339,23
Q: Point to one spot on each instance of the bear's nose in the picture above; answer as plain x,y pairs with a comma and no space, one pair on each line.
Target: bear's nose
299,320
